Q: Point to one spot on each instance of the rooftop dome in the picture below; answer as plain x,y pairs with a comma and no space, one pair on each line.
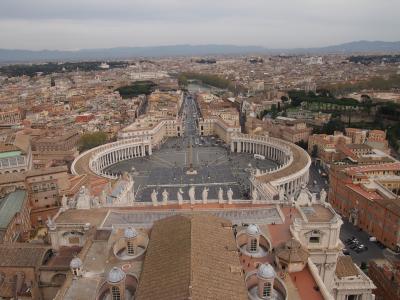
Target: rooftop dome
130,233
253,229
75,263
265,271
115,275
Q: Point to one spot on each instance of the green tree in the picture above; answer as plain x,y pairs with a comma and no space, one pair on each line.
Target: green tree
274,111
332,126
91,140
314,152
182,81
136,88
302,144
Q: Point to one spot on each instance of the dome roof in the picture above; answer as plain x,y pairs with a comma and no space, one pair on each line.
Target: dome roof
130,233
75,263
266,271
115,275
253,229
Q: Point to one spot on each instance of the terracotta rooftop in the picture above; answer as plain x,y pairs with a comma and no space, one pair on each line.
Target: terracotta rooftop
22,255
292,252
93,216
345,267
372,168
300,160
306,285
280,233
191,257
8,148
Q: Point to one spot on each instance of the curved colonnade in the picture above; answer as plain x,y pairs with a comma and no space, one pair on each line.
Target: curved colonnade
289,176
96,160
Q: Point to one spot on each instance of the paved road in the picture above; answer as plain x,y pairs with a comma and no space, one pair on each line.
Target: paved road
317,182
348,230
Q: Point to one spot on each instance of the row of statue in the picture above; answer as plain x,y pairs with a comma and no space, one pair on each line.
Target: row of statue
284,197
192,196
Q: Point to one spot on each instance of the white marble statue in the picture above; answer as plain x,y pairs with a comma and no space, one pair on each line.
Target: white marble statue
179,196
165,195
220,195
50,223
322,195
204,195
281,194
95,202
304,198
229,193
83,200
154,197
313,197
254,195
64,202
192,195
103,197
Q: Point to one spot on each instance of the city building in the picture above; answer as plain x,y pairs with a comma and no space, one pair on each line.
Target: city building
352,148
15,154
15,222
386,276
164,254
11,117
54,147
368,197
32,271
288,129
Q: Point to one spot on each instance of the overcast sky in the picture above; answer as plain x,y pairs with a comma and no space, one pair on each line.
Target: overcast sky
78,24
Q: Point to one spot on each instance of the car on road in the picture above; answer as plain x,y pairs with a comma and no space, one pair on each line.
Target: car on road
361,248
350,240
354,245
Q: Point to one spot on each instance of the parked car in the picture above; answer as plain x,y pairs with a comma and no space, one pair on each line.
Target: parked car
355,241
354,246
361,248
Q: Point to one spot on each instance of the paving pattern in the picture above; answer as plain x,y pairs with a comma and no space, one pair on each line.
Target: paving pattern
211,158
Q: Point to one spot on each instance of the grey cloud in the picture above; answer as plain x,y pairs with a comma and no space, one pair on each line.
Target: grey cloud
38,24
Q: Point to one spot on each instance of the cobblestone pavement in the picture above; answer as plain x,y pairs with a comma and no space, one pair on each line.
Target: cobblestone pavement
215,166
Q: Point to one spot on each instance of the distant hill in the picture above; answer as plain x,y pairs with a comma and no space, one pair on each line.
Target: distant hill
17,55
352,47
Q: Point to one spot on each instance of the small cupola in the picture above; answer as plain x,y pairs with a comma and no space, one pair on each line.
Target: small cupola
76,266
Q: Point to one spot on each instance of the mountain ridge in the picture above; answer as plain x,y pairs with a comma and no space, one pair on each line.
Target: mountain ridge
25,56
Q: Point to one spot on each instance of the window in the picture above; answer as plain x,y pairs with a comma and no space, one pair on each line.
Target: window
267,289
314,239
353,297
131,249
115,293
253,245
